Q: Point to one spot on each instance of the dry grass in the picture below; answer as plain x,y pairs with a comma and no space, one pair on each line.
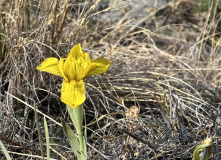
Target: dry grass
165,60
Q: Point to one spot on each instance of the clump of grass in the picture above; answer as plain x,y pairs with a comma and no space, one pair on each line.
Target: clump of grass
163,62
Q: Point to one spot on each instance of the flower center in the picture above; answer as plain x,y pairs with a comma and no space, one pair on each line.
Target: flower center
73,82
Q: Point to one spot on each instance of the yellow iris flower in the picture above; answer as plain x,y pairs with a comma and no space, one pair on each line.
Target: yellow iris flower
74,69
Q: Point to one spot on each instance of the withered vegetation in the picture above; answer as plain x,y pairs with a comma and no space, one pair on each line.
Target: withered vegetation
159,99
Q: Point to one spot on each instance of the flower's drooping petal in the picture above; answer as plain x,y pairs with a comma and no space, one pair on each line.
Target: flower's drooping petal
73,93
98,66
76,52
50,65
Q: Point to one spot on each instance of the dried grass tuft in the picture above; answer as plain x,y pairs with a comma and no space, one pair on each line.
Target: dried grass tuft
165,61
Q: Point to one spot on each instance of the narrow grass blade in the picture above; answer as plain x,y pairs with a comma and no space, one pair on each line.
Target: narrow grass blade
33,108
47,138
39,132
5,151
73,141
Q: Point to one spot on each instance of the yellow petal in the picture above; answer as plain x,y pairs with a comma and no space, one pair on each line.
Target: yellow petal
73,65
69,68
50,65
87,64
61,69
98,66
73,93
76,52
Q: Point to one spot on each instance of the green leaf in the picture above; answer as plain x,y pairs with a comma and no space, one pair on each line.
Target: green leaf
39,132
77,117
72,139
47,138
206,148
5,151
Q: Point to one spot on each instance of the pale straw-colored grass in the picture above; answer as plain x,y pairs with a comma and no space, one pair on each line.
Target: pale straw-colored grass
165,61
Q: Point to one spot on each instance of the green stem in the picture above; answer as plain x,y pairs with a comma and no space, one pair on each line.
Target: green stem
77,115
81,140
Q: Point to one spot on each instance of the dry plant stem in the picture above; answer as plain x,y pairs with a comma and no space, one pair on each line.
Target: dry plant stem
53,29
19,145
61,23
139,139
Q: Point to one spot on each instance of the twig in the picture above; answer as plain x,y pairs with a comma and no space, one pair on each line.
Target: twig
154,147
